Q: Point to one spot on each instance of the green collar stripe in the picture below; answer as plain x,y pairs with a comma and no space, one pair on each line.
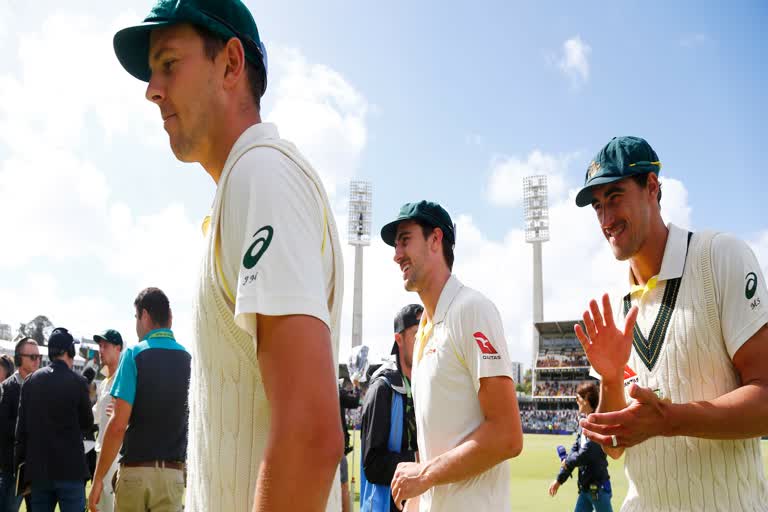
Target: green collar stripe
649,348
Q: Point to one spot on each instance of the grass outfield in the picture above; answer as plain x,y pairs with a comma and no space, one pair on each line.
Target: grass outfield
535,469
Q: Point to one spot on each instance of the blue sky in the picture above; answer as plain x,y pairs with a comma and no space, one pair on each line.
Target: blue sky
434,100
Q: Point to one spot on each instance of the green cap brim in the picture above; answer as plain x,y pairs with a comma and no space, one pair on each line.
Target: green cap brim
132,47
389,231
584,197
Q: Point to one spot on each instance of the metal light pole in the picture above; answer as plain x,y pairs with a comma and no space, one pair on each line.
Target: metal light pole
536,231
359,232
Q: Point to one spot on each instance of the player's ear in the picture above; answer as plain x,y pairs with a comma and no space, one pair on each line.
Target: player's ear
234,53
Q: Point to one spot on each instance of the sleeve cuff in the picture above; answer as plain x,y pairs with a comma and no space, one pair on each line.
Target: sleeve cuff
276,305
746,333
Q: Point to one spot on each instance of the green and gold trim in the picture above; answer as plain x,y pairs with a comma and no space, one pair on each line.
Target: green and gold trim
650,348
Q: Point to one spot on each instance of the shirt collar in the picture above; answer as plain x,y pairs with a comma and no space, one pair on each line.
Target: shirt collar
158,334
451,289
672,263
254,133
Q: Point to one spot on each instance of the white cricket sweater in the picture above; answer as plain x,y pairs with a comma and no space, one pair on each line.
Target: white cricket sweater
228,410
687,473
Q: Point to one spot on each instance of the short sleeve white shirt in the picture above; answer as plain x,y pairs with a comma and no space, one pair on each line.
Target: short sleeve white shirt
740,288
273,234
464,343
101,418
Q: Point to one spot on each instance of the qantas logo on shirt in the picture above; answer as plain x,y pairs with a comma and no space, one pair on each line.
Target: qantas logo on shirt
629,376
485,346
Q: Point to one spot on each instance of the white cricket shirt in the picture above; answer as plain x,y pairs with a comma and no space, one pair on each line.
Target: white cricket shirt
463,343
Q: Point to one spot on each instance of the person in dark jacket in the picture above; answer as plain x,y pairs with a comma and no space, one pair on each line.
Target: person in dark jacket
6,368
54,411
348,399
594,481
27,360
389,381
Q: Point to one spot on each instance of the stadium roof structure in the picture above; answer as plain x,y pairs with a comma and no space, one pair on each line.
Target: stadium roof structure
559,329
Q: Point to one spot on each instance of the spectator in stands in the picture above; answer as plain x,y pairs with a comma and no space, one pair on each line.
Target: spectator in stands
388,408
54,411
594,482
348,399
6,367
27,359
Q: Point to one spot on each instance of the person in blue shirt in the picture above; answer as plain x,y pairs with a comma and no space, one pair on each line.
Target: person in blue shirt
150,417
594,481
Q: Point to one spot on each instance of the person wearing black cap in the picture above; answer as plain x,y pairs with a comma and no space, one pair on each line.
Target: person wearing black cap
27,359
388,427
467,417
689,347
110,348
54,411
272,277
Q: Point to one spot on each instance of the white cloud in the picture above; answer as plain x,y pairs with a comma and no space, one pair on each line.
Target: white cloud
68,71
505,183
575,60
321,112
70,98
50,199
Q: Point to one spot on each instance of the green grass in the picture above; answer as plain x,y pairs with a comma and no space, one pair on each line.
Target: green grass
534,470
531,473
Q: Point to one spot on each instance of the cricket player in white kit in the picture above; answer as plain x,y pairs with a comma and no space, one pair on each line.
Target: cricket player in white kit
467,417
264,430
690,348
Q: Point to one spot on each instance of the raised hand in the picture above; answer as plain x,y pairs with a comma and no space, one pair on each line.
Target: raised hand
607,347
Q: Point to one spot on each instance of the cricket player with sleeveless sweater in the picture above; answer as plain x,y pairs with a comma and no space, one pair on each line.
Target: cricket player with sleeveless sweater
467,417
684,362
264,408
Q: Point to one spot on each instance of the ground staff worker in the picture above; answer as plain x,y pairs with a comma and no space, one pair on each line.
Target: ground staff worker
691,348
269,299
467,418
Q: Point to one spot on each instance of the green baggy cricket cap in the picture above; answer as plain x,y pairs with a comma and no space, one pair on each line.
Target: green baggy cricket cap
426,211
621,158
225,18
110,336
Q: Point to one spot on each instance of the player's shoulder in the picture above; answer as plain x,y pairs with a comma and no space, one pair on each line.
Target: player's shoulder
471,308
726,244
264,162
472,301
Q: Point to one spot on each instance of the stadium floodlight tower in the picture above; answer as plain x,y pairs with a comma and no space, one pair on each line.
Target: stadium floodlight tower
536,232
359,231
